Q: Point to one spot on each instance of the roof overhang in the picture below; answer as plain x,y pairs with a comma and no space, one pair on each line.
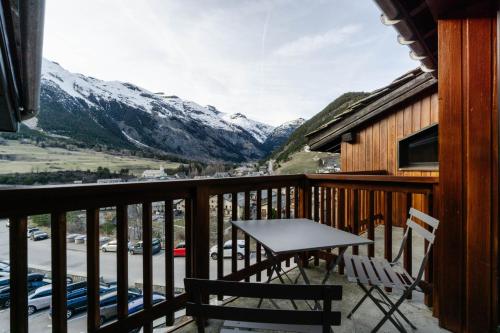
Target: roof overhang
403,90
21,39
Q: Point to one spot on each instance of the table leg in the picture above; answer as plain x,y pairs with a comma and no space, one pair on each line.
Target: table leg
331,266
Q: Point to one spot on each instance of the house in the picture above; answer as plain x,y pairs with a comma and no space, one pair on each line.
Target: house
391,131
152,174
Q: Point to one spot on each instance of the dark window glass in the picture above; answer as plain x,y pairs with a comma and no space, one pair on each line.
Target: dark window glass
419,150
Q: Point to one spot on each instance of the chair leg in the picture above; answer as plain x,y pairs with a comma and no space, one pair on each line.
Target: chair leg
388,315
200,322
397,309
359,303
377,303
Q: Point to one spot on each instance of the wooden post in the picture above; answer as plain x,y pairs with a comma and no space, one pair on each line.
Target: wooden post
371,223
18,252
355,217
169,257
58,254
93,311
388,228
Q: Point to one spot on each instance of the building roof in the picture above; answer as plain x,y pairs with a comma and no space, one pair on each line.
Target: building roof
379,102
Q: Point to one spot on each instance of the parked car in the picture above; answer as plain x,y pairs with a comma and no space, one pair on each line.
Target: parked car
31,231
39,235
108,304
71,238
180,250
80,239
103,240
41,297
109,247
35,281
227,251
77,300
137,249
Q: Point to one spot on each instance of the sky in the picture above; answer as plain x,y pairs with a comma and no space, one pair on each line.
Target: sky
272,60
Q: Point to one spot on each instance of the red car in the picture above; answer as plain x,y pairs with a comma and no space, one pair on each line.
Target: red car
180,250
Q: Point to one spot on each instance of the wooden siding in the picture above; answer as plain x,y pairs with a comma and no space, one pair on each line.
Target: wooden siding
375,148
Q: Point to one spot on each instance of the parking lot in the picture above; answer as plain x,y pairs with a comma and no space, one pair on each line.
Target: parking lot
39,258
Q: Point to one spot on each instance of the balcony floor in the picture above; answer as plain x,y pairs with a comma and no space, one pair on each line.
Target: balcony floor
367,316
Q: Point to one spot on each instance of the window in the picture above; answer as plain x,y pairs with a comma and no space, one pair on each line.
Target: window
419,150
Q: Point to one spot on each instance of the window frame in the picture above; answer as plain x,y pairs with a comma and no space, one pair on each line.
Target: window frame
425,166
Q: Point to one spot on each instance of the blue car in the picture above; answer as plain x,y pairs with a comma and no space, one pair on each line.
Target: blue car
135,304
77,300
35,281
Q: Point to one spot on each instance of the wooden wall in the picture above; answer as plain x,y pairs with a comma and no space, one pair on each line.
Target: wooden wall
375,148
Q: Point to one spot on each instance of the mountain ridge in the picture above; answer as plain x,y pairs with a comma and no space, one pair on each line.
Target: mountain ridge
125,116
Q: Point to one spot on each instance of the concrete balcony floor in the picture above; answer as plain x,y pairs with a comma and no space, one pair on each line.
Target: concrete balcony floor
368,315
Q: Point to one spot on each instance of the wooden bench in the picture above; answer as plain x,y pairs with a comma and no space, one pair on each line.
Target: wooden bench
200,290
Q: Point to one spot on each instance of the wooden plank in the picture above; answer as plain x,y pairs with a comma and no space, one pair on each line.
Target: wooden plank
147,264
58,256
408,250
259,246
220,238
451,212
391,145
287,212
234,232
279,202
169,257
341,222
322,206
371,223
18,255
316,203
425,116
328,206
355,217
478,47
269,203
122,261
247,238
93,311
188,224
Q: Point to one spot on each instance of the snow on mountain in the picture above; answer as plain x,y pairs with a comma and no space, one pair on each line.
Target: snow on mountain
280,134
90,89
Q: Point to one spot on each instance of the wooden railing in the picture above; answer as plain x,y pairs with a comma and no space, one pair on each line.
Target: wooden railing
341,201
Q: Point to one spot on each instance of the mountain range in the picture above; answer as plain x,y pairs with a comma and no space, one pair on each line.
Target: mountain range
122,115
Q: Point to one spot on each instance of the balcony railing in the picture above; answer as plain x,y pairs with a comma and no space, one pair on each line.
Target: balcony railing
351,202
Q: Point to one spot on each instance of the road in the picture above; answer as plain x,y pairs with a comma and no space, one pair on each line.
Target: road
39,257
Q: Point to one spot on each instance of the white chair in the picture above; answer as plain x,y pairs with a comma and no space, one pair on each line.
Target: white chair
373,274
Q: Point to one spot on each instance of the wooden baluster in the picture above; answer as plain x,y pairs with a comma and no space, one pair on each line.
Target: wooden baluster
322,206
259,217
247,238
287,213
234,232
93,312
58,255
201,235
122,262
407,257
328,206
316,204
388,229
188,225
333,201
147,265
18,254
341,220
371,222
316,199
296,202
269,215
355,217
429,268
169,258
279,203
220,239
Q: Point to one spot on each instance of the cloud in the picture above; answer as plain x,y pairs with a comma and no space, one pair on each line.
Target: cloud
308,44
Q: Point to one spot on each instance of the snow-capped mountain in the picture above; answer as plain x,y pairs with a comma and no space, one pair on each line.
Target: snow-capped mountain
280,134
123,115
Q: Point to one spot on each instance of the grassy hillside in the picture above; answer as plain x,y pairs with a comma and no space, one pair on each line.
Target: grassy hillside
301,162
298,139
21,158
